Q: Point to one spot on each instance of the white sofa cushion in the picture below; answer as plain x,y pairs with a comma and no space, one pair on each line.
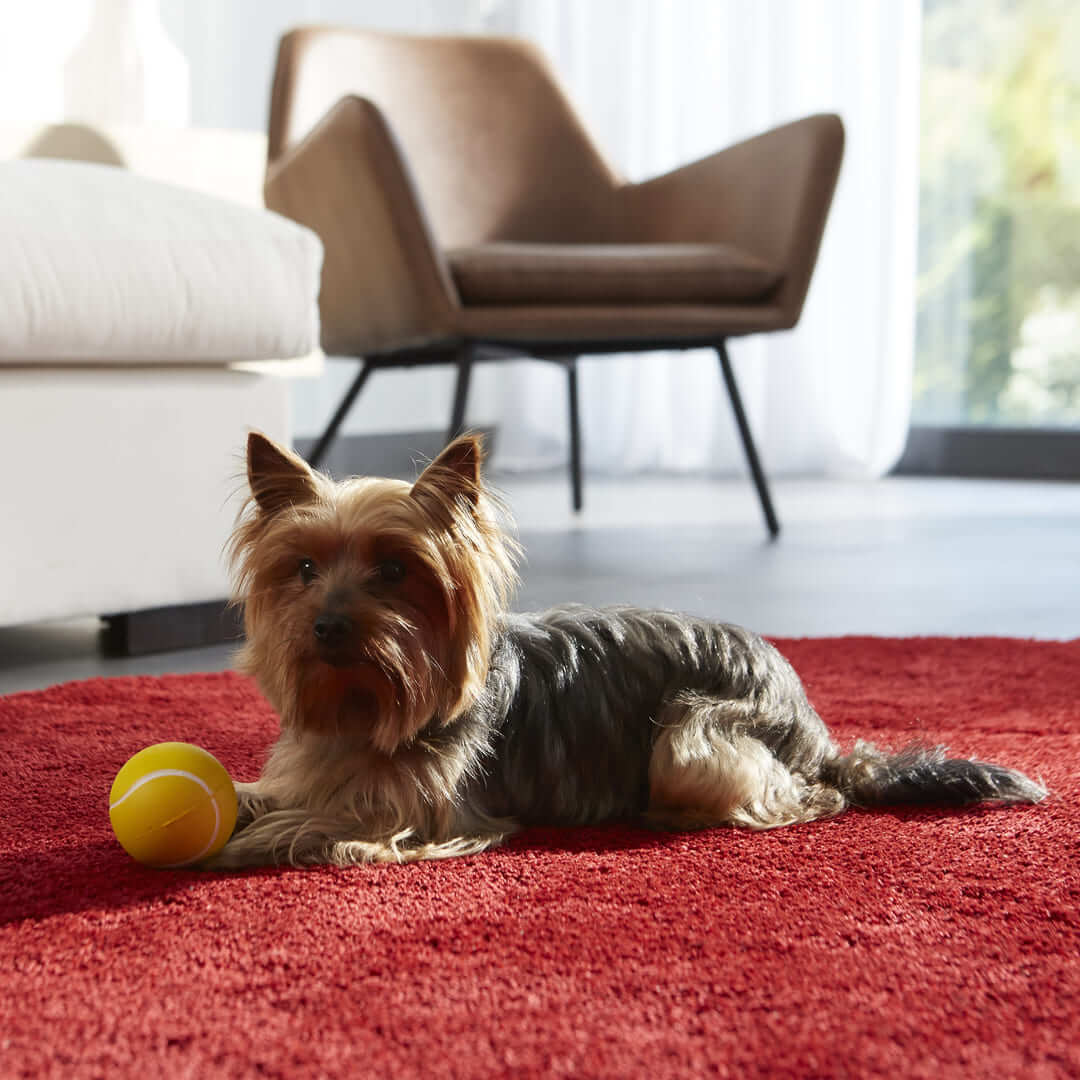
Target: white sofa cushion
99,265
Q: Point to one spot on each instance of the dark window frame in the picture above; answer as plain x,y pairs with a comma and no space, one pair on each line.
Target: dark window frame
991,452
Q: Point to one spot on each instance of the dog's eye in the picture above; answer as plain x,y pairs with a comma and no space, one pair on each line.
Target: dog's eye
391,571
307,570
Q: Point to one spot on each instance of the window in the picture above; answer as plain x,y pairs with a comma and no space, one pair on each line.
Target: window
998,324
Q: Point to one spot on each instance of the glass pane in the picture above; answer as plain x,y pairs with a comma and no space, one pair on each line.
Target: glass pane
998,328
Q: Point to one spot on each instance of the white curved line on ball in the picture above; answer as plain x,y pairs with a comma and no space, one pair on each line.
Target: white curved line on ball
157,775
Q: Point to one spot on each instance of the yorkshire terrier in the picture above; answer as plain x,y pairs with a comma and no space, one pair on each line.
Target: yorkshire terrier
419,719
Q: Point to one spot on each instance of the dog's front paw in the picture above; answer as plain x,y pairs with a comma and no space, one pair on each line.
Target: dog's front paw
238,854
250,804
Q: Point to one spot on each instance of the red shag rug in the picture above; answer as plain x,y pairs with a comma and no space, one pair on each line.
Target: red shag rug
898,944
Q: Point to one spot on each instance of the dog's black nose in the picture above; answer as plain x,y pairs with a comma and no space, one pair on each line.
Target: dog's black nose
332,630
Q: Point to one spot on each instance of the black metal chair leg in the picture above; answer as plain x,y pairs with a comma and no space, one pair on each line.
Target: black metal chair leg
319,451
575,432
748,441
461,393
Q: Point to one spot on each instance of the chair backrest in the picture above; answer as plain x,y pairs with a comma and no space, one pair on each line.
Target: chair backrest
496,150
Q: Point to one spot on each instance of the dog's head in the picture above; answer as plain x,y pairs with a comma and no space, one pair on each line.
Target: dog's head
369,605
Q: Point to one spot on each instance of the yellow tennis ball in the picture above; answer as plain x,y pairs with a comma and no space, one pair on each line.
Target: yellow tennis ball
172,804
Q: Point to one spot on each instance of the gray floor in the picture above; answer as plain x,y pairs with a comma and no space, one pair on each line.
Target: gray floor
897,557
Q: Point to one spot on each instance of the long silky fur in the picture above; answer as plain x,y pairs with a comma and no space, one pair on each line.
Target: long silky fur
925,775
480,721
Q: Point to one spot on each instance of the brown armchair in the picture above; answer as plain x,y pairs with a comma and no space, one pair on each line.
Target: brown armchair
466,216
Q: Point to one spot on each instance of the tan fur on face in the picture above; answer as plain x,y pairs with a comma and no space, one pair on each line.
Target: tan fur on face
421,644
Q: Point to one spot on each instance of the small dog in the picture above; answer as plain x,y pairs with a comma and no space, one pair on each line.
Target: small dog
420,720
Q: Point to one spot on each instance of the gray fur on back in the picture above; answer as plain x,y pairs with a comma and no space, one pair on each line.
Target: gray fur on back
572,699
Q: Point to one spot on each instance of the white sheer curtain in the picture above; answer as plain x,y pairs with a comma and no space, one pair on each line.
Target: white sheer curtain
661,82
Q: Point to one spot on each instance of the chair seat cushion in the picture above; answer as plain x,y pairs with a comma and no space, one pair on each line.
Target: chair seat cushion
100,265
505,273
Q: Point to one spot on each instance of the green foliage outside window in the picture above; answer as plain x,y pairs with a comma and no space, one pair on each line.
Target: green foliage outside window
998,328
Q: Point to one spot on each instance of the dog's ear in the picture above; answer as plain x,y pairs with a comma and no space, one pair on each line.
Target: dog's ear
277,477
454,475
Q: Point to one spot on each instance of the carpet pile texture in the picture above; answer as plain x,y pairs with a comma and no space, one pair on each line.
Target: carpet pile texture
894,944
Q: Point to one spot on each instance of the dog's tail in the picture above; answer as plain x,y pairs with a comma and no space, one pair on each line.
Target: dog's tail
922,775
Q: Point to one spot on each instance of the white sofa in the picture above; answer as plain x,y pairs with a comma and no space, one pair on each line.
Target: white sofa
134,358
